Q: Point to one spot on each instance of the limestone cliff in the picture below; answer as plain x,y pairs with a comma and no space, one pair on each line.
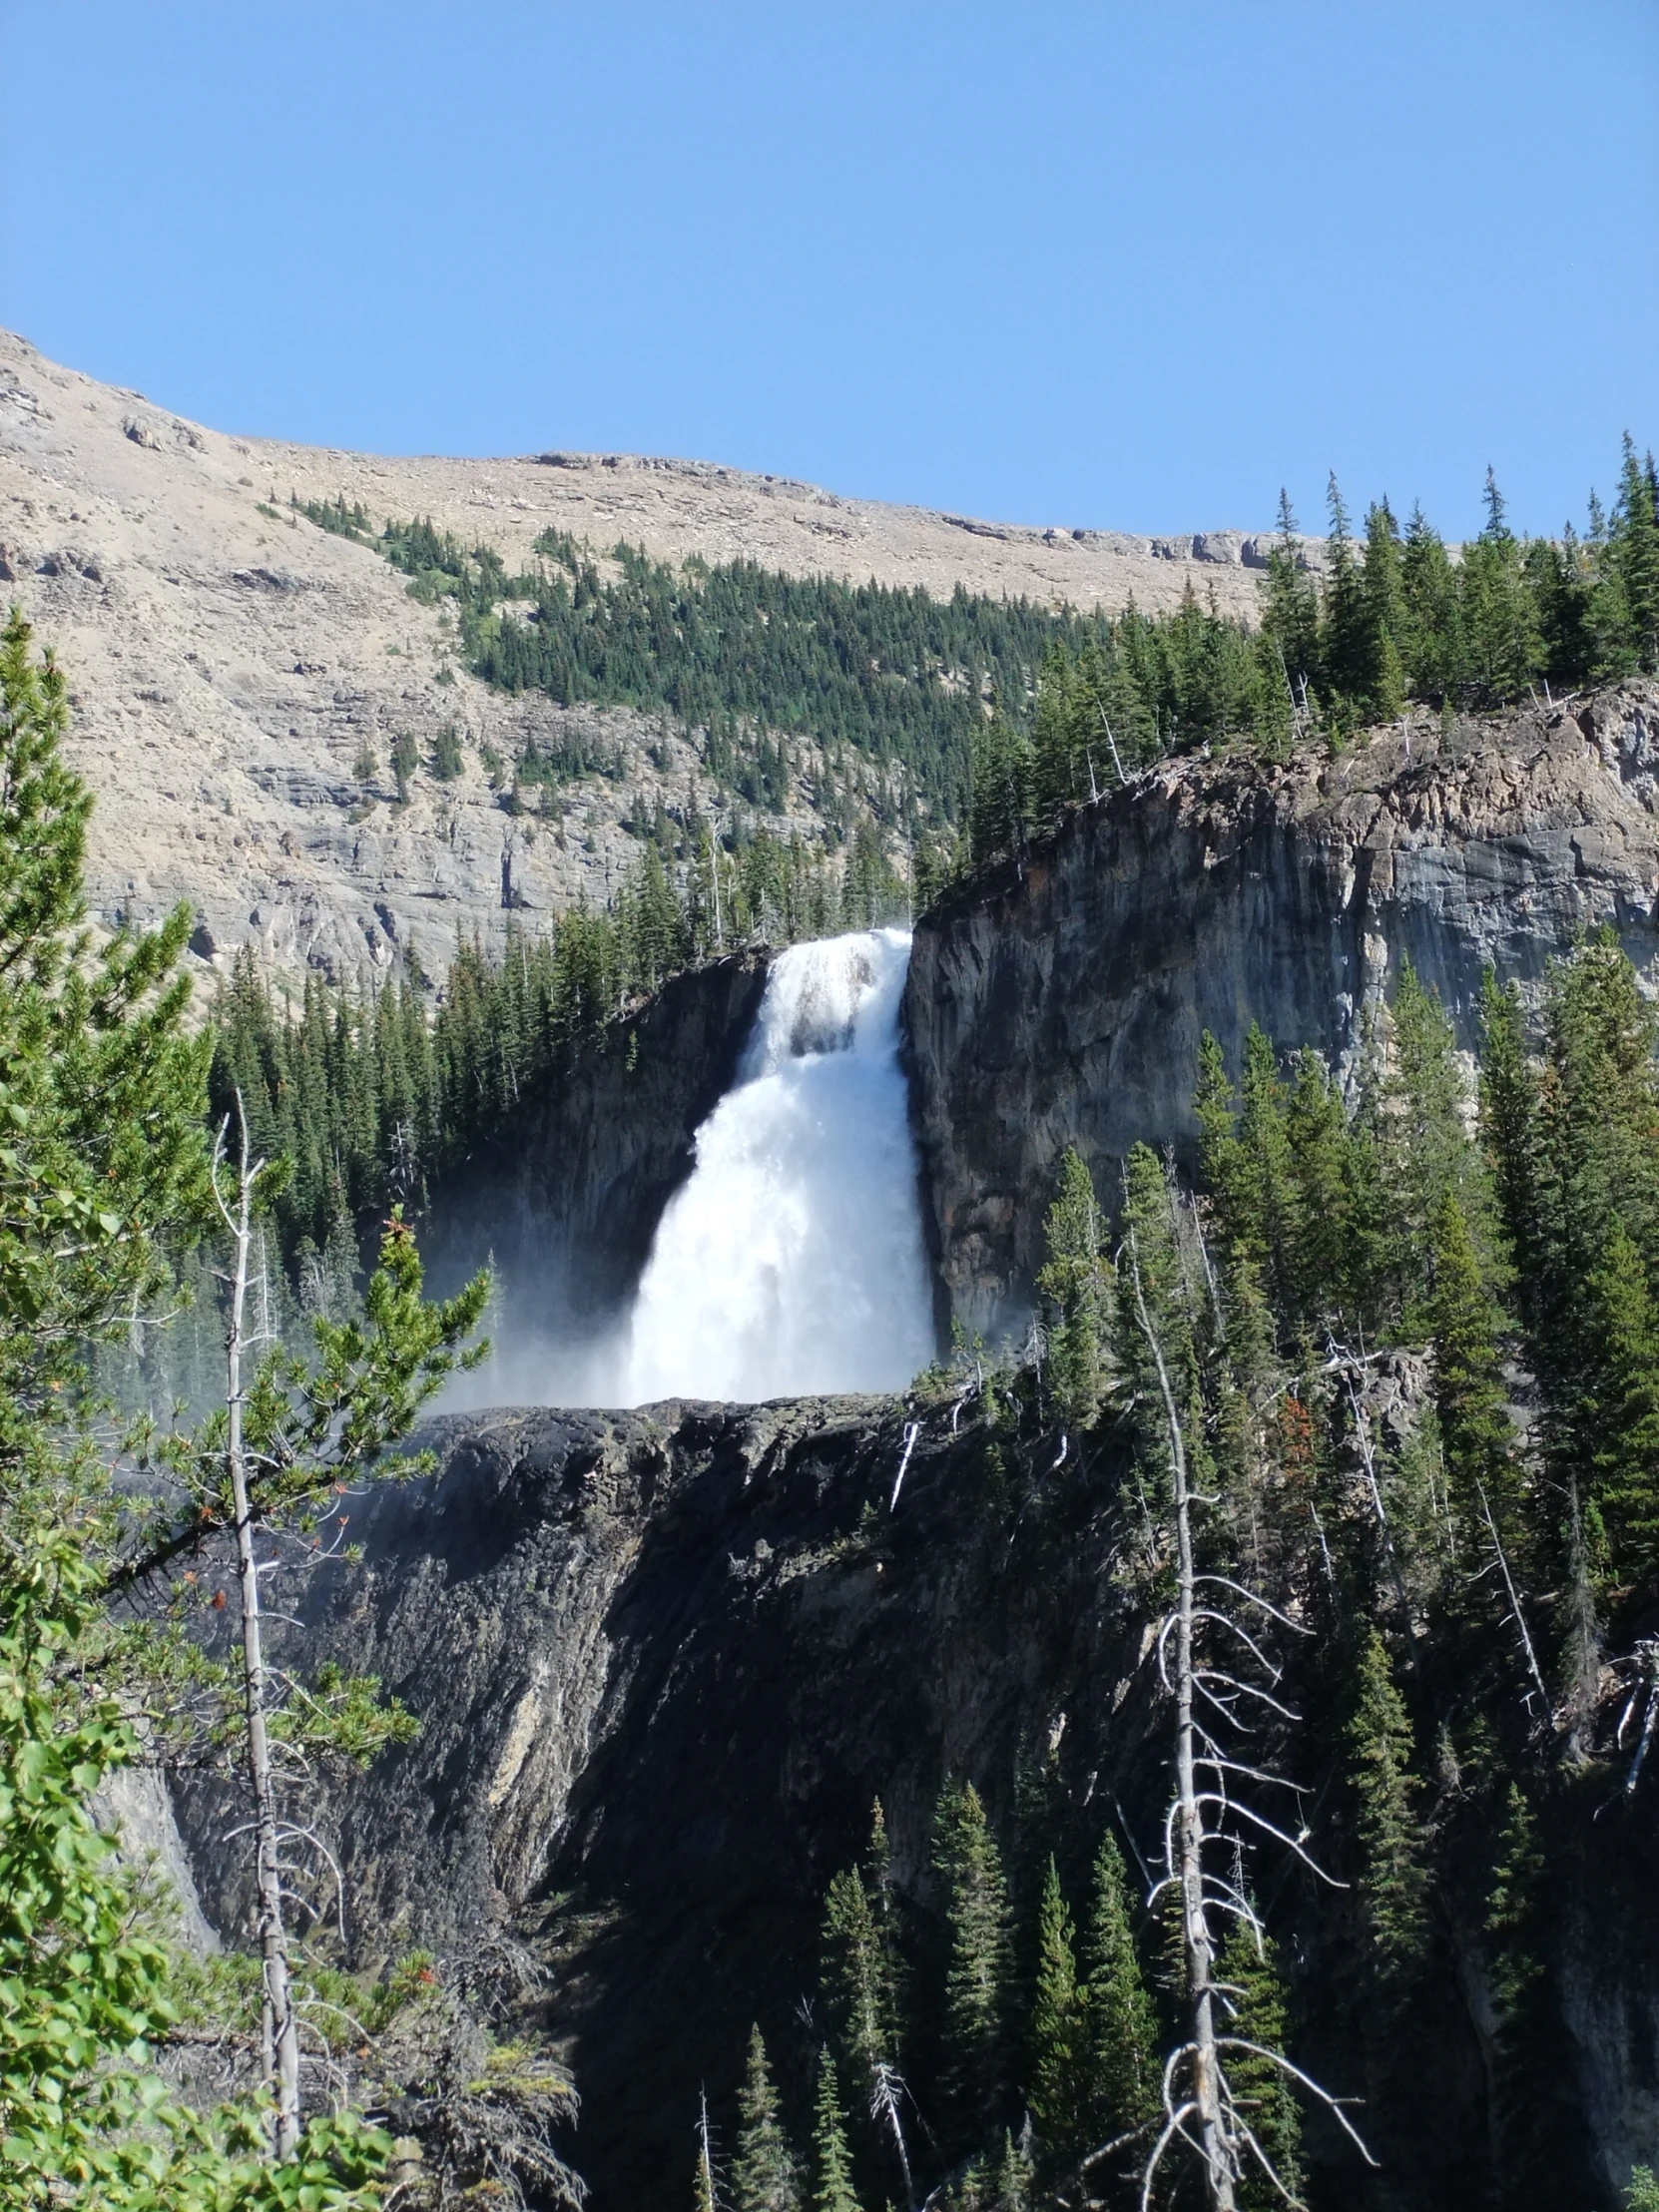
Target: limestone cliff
1061,1002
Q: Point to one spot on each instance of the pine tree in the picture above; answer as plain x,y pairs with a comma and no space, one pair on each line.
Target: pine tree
832,2188
1074,1283
1122,2033
765,2174
1262,2091
975,1993
1346,650
1499,612
1058,2061
1469,1396
1290,613
1392,1883
1011,2182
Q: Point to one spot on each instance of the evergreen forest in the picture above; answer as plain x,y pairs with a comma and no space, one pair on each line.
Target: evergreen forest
1392,1369
992,716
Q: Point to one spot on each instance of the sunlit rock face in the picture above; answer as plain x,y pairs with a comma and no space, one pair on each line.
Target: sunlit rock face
1064,1000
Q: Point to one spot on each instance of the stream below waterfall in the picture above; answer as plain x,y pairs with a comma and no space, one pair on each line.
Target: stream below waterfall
791,1261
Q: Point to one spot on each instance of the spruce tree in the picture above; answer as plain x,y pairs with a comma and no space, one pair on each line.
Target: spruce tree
975,2040
1469,1396
1262,2091
832,2186
1011,2181
765,2174
1122,2032
1392,1883
1057,2056
1074,1283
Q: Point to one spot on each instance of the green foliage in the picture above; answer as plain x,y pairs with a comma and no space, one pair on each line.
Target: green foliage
406,759
1056,2041
1074,1283
1393,1882
1395,620
765,2176
831,2179
968,1869
1642,2191
1262,2091
1122,2033
446,759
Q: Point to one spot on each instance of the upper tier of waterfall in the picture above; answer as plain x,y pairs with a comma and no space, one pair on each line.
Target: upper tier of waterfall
791,1261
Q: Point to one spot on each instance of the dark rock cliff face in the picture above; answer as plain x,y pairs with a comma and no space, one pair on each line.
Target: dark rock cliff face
1063,1002
664,1661
663,1664
565,1202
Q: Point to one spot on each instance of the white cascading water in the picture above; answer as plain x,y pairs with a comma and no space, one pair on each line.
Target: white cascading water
791,1261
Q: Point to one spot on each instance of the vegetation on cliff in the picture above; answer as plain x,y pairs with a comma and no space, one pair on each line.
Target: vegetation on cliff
1400,1351
107,1656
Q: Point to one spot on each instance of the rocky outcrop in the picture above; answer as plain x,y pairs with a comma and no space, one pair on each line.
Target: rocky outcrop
1062,1000
662,1663
564,1199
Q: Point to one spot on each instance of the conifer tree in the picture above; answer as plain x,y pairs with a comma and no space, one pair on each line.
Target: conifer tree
1393,1887
1074,1283
765,2174
974,2036
1262,2091
1011,2182
1290,614
1122,2031
1469,1396
1057,2055
832,2189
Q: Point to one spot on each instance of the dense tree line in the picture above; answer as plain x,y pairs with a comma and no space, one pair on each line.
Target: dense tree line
1393,620
1408,1343
371,1097
1003,714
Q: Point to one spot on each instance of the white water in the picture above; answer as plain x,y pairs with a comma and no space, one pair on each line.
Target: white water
792,1259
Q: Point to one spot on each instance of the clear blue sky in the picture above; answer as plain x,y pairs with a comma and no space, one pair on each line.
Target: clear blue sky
1129,266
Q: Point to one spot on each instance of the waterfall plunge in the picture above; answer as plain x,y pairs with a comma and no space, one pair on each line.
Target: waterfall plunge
792,1259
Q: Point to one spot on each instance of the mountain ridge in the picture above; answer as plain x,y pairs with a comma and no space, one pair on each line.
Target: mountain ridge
233,665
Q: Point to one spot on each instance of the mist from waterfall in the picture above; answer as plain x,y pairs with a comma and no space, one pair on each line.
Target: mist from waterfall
791,1261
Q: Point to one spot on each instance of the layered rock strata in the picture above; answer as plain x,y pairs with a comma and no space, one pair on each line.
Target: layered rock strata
1062,1000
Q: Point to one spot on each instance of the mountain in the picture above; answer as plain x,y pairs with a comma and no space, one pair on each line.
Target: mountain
240,676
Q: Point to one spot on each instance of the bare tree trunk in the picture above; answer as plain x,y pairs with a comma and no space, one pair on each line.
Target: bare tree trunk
1189,1823
281,2029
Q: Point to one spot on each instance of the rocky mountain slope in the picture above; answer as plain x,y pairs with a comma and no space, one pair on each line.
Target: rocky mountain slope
231,662
1061,1002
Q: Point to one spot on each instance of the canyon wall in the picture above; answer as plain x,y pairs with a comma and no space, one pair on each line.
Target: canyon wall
1061,1000
562,1201
664,1661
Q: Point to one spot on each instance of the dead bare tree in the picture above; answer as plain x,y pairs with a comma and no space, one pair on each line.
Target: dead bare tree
1223,1684
280,2023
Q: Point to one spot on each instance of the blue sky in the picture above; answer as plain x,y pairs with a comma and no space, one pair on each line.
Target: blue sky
1118,266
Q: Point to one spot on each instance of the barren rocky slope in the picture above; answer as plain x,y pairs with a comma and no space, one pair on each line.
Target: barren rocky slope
229,664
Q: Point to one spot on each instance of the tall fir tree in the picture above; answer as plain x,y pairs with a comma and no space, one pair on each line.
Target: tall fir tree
1075,1285
765,2176
975,2040
1122,2031
832,2182
1393,1887
1057,2056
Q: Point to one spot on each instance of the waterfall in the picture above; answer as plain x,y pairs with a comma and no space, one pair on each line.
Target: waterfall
790,1260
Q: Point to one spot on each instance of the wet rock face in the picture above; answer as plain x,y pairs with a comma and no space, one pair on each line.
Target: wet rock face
565,1202
1063,1002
